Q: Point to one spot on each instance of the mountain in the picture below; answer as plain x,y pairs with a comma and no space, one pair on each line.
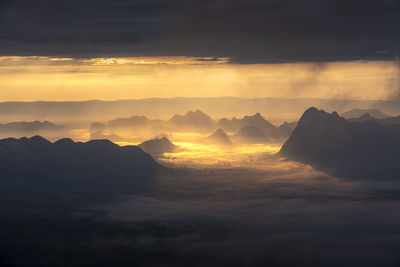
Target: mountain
363,118
255,121
286,129
133,122
249,134
157,147
360,150
29,127
278,109
356,113
219,137
98,167
384,121
192,121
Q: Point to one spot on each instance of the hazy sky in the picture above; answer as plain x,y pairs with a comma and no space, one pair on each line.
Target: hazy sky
198,48
45,78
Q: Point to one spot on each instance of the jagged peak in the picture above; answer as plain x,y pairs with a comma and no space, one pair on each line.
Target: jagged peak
313,114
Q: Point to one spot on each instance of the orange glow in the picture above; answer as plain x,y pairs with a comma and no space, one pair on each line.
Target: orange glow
60,79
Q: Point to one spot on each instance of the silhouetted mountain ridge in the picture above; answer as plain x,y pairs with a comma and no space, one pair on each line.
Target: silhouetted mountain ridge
363,150
94,166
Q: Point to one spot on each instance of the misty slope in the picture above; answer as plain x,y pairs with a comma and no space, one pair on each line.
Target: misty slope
363,150
250,135
157,147
384,121
219,137
96,167
286,129
356,113
192,121
29,127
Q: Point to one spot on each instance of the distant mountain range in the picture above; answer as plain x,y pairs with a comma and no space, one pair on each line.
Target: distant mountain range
254,127
28,127
278,109
133,122
95,167
359,149
384,121
248,129
356,113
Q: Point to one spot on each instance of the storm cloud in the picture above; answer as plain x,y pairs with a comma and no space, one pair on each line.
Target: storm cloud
248,31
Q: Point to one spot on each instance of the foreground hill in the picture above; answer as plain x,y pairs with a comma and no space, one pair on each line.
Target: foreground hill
363,150
96,167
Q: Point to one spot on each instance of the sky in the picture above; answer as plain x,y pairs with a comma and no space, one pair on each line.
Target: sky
76,50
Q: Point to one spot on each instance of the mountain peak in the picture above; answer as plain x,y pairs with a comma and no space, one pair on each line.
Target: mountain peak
220,137
314,114
65,141
37,139
157,147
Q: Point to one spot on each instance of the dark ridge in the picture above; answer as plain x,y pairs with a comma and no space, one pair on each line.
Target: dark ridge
96,167
360,150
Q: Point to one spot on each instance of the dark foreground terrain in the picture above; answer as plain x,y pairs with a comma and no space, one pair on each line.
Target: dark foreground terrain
288,214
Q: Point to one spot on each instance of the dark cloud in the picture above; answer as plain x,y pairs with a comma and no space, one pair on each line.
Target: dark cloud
250,31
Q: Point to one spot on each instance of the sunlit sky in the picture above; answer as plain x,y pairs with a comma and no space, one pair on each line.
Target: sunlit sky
59,79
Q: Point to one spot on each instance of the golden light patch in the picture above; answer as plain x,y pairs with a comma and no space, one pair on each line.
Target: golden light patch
61,79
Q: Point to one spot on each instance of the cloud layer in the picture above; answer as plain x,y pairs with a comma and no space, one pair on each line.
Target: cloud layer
249,31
